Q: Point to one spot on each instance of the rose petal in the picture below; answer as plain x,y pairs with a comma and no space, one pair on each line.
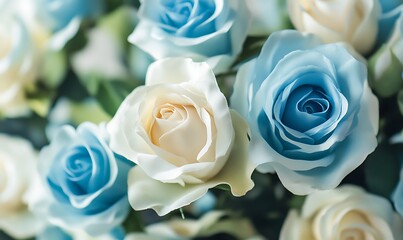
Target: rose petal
164,197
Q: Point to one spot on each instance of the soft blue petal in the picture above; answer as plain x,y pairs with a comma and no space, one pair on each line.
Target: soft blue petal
60,13
88,181
308,106
277,46
182,18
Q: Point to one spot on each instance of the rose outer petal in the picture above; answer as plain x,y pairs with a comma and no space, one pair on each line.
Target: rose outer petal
165,197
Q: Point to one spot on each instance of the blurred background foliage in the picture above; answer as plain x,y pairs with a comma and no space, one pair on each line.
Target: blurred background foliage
92,96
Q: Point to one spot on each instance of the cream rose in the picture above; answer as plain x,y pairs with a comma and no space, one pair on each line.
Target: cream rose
17,170
352,21
22,44
343,213
180,133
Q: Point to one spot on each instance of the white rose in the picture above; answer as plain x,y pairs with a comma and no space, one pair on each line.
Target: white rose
180,133
352,21
343,213
17,170
21,44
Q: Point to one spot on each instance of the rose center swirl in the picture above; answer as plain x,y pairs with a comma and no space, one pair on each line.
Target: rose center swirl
179,129
307,107
187,18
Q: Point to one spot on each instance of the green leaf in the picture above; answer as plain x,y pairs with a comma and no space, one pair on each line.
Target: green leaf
224,187
251,48
40,105
296,201
133,223
382,169
111,94
87,111
54,68
39,99
79,41
120,23
386,82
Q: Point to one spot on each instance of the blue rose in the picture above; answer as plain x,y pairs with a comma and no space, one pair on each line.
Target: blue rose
64,17
210,30
87,181
312,116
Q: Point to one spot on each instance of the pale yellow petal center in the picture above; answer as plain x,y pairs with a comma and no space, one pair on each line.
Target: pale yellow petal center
180,130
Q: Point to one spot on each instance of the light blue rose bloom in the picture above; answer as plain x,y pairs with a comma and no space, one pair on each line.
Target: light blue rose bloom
209,30
64,17
87,181
312,116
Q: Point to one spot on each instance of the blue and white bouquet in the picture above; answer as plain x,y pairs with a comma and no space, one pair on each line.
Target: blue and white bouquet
201,119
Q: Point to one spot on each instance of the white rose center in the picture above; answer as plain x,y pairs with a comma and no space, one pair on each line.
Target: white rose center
183,130
356,226
352,234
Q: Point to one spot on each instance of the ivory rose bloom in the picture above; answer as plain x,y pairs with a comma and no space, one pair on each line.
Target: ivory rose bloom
17,170
22,43
182,136
352,21
344,213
